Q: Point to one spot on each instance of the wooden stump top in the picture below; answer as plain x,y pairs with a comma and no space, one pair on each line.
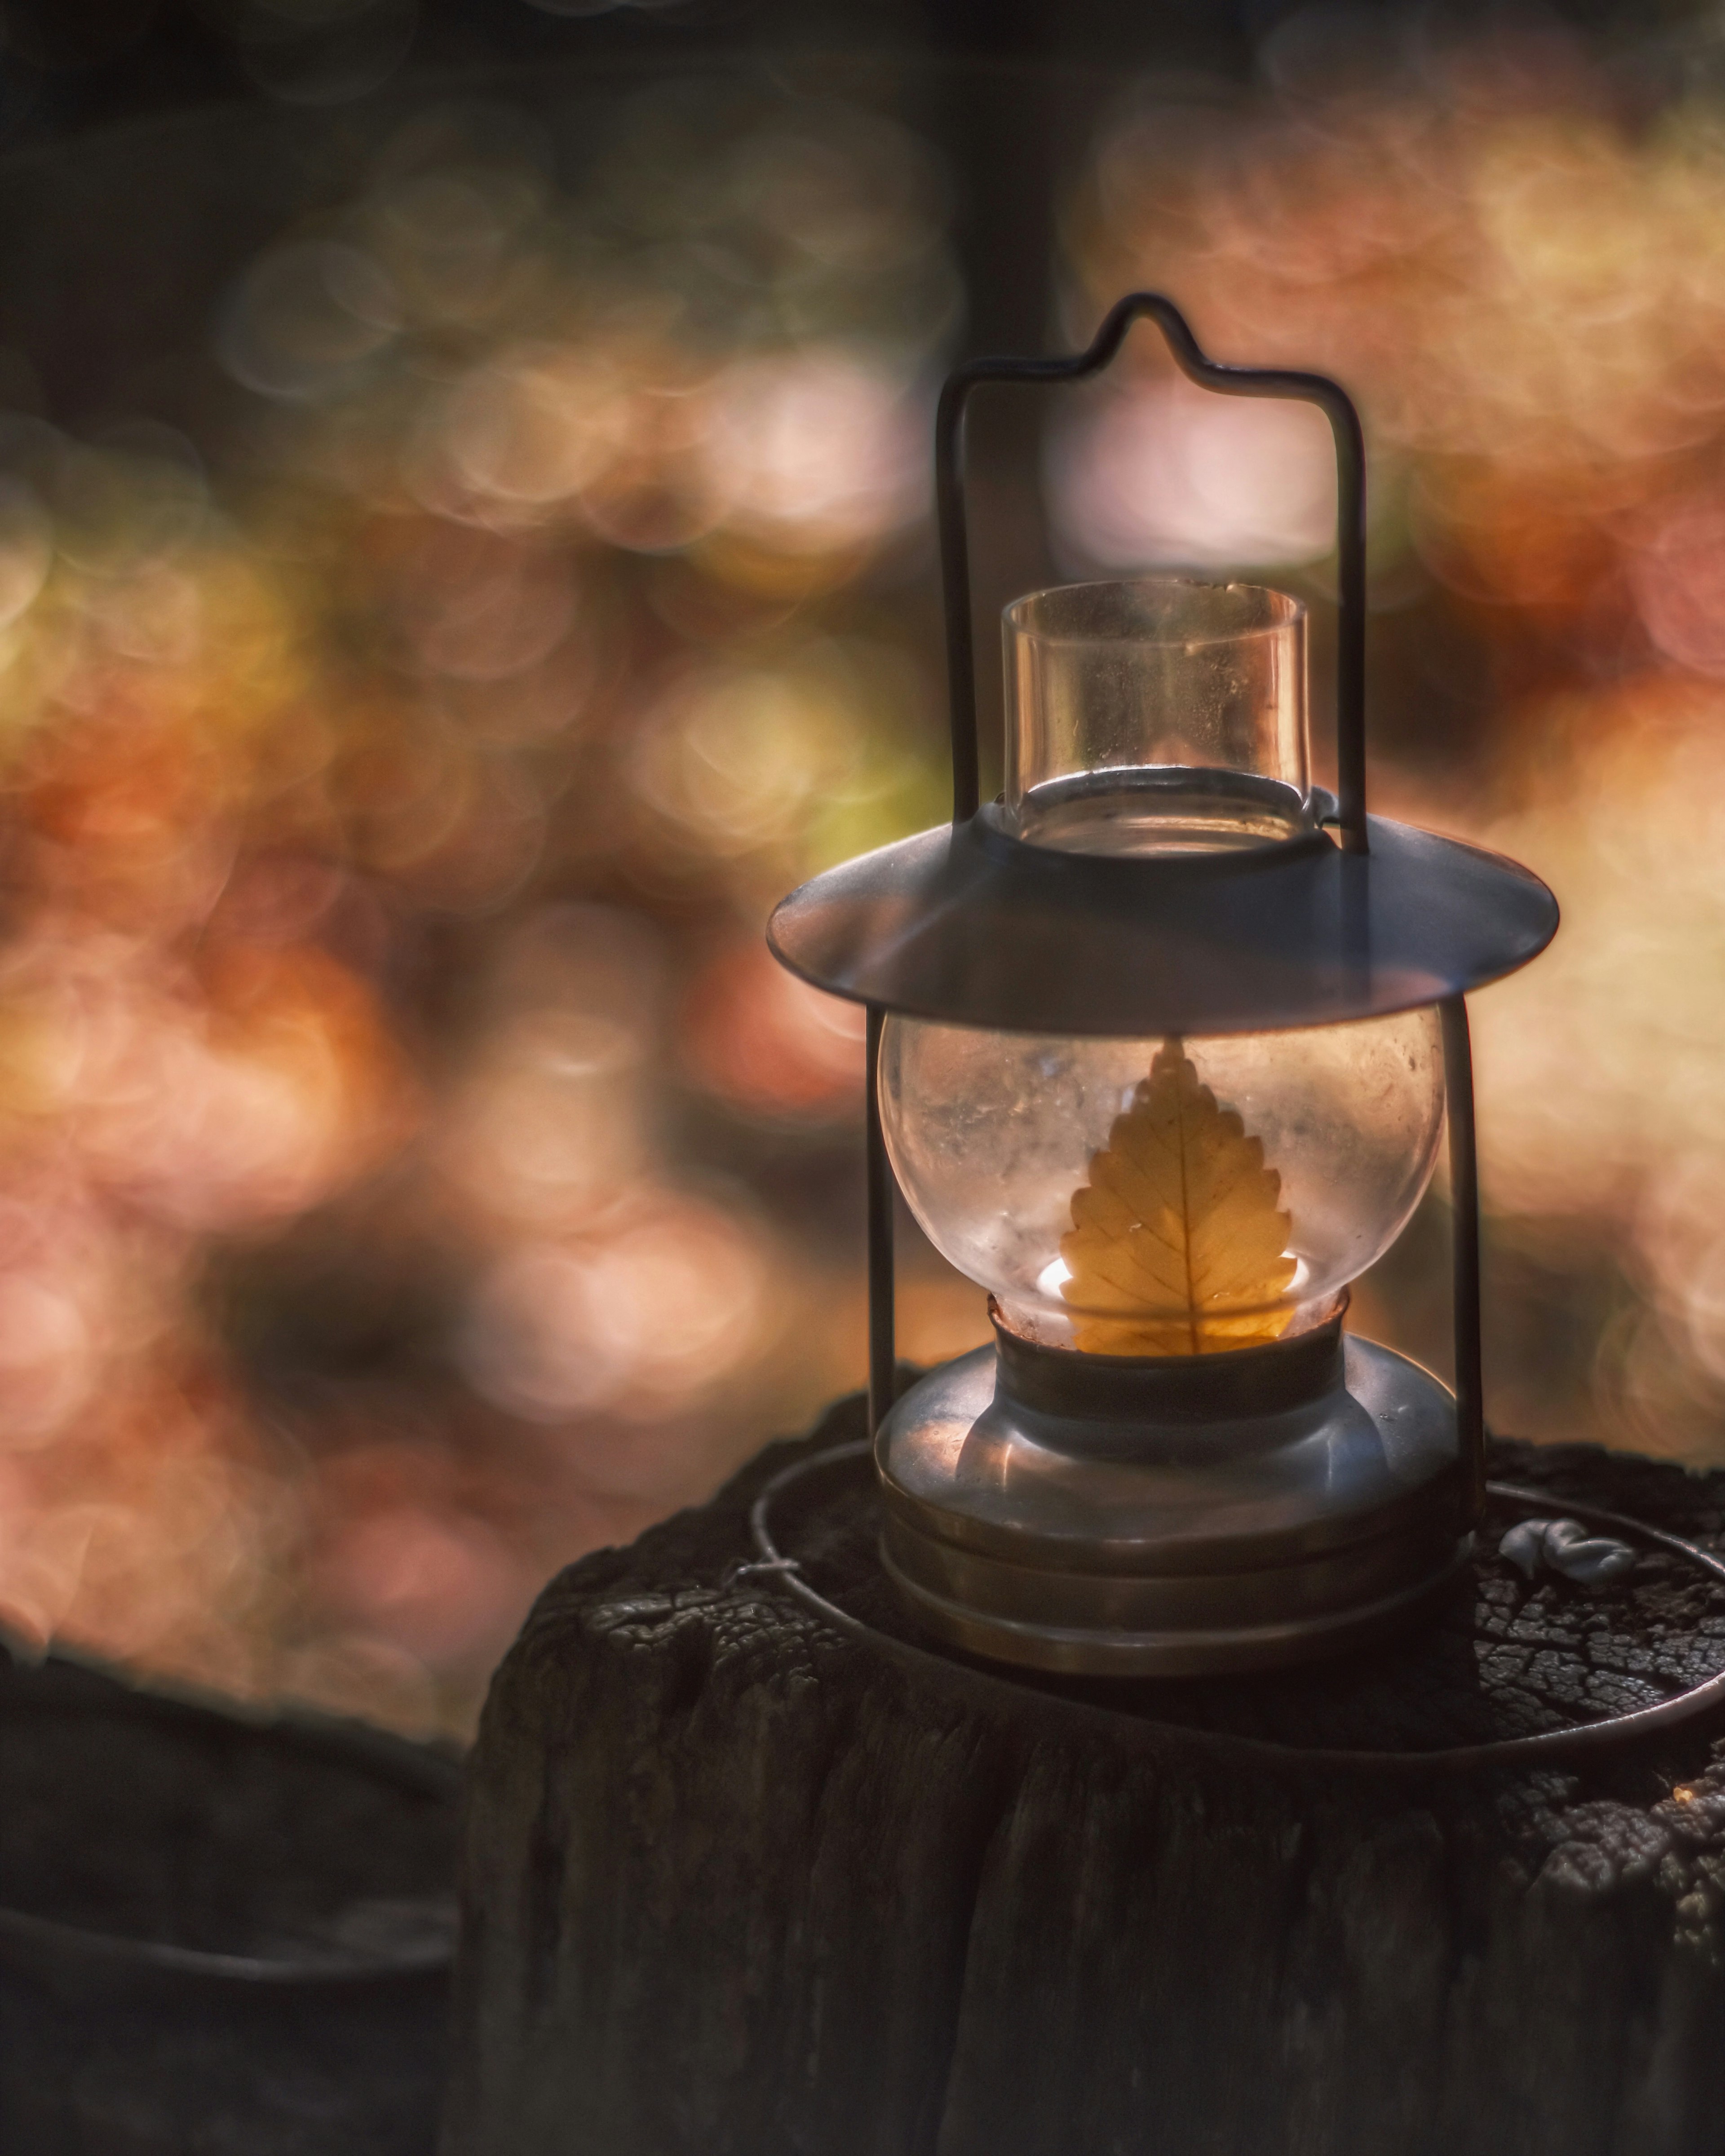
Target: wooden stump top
738,1881
1518,1657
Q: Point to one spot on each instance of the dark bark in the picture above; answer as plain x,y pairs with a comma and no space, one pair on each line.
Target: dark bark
739,1884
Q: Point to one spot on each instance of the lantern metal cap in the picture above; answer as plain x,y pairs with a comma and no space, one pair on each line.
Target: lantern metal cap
970,926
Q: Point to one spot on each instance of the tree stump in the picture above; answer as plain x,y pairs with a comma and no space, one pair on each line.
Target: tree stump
740,1884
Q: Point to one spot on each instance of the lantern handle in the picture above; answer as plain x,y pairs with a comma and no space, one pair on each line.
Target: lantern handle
1337,407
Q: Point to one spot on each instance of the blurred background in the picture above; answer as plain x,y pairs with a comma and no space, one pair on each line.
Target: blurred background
465,553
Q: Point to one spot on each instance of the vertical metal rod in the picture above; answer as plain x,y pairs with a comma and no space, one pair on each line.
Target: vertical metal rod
955,588
883,1360
1465,1203
1350,443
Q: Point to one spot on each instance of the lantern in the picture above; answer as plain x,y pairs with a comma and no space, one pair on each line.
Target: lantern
1161,1045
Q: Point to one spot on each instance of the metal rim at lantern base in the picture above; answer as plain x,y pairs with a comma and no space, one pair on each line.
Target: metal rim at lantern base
1114,1515
1572,1741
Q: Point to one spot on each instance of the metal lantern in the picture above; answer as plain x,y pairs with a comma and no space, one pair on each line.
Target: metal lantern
1160,1044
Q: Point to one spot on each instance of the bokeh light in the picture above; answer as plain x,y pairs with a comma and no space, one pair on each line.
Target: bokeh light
408,1141
416,1170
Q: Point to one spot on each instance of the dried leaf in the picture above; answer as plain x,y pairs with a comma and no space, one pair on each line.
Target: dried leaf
1177,1238
1567,1547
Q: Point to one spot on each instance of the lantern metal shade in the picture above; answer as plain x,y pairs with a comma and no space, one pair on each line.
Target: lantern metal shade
1043,1510
970,926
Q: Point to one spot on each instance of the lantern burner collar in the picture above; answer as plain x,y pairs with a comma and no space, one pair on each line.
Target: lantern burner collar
1113,1406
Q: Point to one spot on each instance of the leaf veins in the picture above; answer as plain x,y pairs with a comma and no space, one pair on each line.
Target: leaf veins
1178,1240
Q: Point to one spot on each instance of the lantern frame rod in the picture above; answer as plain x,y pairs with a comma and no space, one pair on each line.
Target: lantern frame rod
1464,1228
1331,399
883,1353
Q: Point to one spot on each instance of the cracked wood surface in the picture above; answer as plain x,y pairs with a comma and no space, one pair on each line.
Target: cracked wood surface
739,1884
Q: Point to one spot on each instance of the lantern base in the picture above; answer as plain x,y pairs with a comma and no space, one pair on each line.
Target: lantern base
1110,1516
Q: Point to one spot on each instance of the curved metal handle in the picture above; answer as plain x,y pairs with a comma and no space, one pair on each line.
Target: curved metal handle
1337,407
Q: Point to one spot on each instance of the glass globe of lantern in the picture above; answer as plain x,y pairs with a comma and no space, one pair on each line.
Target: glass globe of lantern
994,1136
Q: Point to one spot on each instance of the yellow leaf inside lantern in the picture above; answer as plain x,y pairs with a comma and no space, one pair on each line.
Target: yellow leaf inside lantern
1177,1239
